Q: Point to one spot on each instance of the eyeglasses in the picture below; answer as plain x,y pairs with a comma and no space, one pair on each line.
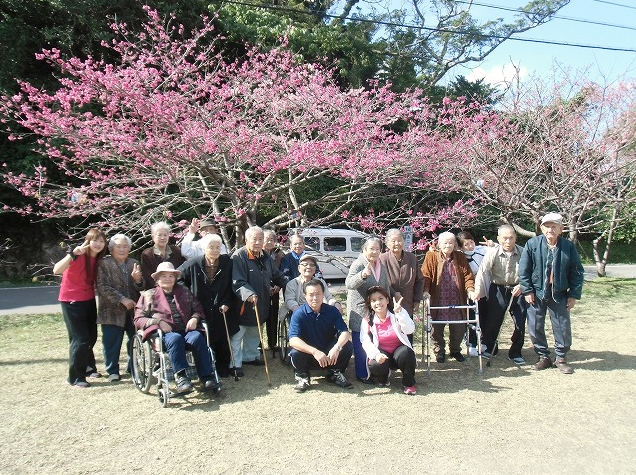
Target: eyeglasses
305,264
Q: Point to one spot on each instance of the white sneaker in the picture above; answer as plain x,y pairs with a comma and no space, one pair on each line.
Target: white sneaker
113,378
472,351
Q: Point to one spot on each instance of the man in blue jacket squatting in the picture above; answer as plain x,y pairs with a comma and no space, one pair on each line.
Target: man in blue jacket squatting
319,339
551,279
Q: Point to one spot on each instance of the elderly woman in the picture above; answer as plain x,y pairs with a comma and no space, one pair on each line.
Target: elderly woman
294,295
405,275
384,337
191,248
160,252
210,279
365,272
173,309
77,297
119,282
448,280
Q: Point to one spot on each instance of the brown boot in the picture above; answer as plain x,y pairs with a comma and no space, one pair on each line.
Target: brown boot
563,366
543,363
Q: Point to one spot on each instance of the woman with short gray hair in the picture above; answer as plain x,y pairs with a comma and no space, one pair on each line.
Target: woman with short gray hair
405,275
448,281
119,281
366,271
160,252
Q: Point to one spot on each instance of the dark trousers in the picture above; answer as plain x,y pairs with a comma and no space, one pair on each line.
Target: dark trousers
303,362
456,332
561,325
81,324
222,355
112,339
403,358
498,299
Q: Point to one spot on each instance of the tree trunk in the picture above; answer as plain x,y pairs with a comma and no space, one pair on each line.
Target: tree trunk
601,263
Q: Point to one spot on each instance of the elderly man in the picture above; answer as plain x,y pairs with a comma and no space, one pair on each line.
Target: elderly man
500,267
253,273
289,263
319,339
191,248
551,279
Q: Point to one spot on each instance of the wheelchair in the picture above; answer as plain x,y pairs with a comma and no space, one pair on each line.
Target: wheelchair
151,365
283,339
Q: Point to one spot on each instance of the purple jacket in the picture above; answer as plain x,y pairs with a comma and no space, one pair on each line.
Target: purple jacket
153,304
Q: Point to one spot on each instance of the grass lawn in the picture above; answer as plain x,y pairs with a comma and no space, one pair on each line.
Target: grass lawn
506,420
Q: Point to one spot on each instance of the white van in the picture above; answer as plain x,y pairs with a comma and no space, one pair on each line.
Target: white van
335,249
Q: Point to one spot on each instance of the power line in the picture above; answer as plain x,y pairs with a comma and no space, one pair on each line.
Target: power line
556,17
439,30
615,4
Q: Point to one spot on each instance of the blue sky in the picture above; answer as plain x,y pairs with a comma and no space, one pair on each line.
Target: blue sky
534,58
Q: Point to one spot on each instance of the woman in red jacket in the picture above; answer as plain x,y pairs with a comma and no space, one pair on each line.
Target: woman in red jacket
77,297
448,281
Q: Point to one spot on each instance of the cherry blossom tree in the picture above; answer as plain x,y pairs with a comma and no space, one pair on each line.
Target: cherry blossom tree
555,149
173,131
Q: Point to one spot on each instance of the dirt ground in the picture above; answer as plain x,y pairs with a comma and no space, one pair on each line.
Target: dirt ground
507,420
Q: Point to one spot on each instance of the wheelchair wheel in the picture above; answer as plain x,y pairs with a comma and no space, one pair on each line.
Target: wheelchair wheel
142,364
283,340
162,393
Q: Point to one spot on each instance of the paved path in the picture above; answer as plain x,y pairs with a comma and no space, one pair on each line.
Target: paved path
43,299
29,300
612,270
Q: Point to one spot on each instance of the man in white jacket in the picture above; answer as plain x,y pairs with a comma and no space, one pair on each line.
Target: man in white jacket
191,248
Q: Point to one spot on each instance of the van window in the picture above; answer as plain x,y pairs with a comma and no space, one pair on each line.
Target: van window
312,242
356,244
338,244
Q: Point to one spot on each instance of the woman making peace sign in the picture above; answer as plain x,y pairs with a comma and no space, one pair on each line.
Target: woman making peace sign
385,341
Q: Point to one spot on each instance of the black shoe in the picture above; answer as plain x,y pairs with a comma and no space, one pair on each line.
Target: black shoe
254,362
237,372
208,383
518,360
184,385
302,382
440,357
458,356
370,381
336,377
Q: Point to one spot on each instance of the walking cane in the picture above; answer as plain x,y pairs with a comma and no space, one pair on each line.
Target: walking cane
229,343
260,334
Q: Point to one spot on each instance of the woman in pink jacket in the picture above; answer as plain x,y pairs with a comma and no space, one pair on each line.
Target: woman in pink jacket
384,337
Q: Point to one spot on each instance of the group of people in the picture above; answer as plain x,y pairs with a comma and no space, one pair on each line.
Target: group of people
544,277
174,288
